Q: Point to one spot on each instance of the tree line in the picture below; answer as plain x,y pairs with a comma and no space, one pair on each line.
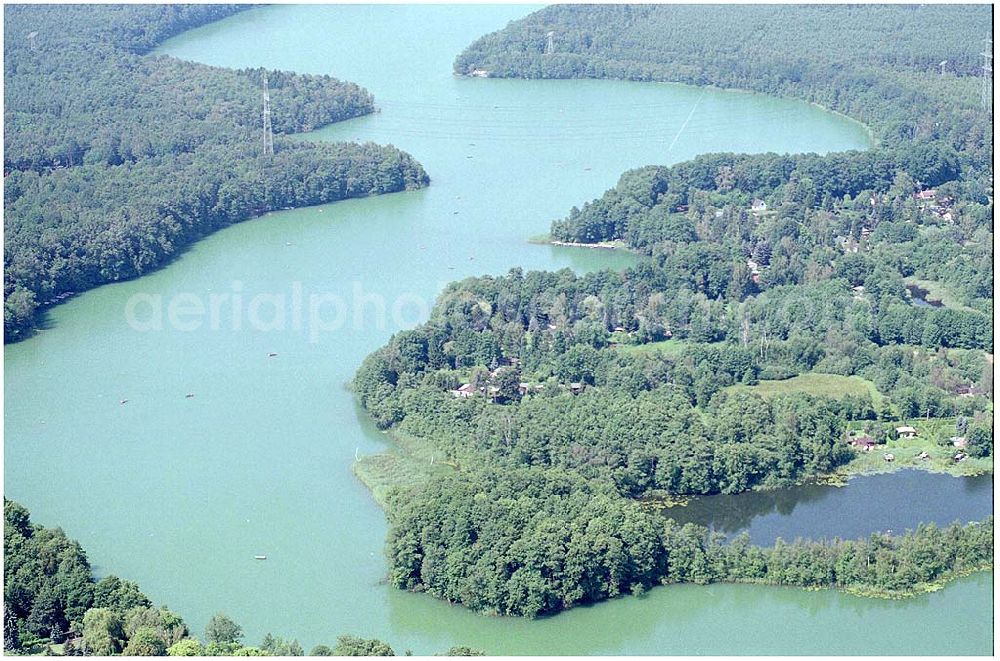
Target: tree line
115,160
879,64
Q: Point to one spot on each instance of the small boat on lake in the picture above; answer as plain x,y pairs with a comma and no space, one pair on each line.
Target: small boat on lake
260,557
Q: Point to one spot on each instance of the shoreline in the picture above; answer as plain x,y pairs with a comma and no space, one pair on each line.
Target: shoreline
546,240
873,139
907,456
369,470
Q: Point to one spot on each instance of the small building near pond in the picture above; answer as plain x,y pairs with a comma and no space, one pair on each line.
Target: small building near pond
863,443
965,391
464,391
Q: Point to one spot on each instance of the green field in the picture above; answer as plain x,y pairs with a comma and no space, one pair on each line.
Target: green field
827,385
937,291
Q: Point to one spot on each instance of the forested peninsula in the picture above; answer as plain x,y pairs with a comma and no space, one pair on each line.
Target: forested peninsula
542,417
115,160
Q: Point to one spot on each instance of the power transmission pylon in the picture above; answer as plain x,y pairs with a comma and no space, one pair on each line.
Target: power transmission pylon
987,92
268,134
31,40
548,44
268,149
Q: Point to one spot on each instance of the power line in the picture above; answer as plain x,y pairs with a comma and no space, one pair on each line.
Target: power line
684,125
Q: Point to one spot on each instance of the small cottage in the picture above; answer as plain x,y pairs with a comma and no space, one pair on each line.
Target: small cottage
863,443
906,433
959,442
964,391
464,391
758,206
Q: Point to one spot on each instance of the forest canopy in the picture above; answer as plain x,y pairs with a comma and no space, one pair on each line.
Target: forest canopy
115,160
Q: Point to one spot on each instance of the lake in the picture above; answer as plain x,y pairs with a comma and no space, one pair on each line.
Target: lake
180,493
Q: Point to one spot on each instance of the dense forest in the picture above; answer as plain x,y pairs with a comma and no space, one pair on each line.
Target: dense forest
528,542
114,160
53,605
557,406
554,410
877,63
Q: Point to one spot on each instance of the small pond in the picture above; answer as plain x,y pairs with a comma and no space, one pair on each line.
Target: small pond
872,503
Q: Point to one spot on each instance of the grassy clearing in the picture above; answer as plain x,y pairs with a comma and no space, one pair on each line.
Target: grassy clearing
826,385
930,436
669,348
937,291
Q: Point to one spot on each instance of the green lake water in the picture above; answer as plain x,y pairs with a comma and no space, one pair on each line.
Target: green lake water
179,493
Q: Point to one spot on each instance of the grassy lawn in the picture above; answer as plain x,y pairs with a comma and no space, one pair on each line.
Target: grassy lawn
938,292
829,385
907,452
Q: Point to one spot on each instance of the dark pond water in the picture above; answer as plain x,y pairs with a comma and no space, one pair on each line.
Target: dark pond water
872,503
918,297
